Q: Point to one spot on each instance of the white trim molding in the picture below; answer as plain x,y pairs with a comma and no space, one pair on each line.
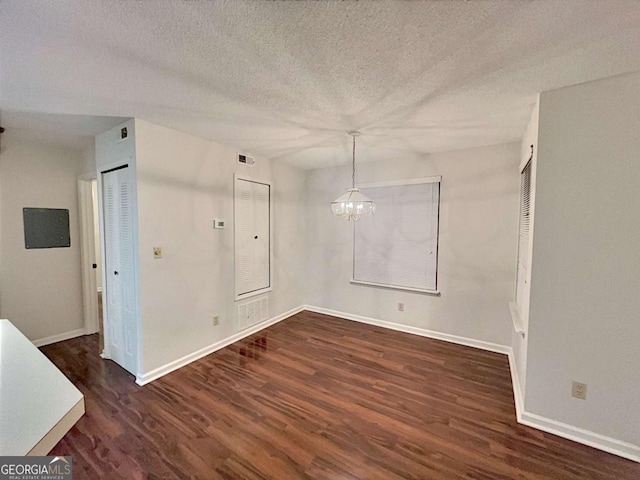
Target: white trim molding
144,378
87,253
237,177
564,430
469,342
516,318
586,437
515,383
395,287
592,439
41,342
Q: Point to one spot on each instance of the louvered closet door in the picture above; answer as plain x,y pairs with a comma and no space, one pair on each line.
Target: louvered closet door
113,320
120,293
261,193
252,236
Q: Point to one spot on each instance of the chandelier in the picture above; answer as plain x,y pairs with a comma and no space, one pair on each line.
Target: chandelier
353,204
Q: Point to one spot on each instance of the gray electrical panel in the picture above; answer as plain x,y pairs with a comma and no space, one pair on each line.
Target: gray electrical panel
46,227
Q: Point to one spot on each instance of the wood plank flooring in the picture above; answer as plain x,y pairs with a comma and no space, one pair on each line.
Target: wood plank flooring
316,397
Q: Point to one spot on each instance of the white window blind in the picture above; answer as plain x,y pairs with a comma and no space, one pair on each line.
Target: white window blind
524,234
252,237
398,246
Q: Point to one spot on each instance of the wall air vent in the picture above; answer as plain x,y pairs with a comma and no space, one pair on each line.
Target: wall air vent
252,312
246,160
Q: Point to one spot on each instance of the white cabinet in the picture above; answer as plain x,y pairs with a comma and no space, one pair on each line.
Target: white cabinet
38,405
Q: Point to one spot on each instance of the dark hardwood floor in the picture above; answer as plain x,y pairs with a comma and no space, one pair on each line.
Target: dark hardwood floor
316,397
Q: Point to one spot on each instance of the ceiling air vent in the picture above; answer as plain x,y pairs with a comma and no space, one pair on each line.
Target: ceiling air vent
246,160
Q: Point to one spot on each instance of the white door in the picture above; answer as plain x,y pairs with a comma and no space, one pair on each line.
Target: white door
252,236
120,321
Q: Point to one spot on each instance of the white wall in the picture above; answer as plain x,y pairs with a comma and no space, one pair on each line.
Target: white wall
585,300
88,155
478,242
183,183
40,288
108,148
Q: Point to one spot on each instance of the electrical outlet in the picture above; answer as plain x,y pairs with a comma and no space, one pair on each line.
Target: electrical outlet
579,390
401,307
216,321
157,252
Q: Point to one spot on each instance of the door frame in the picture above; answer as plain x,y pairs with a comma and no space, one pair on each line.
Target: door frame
241,177
88,253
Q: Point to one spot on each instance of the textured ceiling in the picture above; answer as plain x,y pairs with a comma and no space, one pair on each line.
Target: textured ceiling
286,80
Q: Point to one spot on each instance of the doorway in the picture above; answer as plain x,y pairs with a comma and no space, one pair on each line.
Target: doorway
91,256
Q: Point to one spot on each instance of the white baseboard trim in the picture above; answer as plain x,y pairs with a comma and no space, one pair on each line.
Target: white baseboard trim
90,330
469,342
41,342
595,440
144,378
564,430
586,437
515,383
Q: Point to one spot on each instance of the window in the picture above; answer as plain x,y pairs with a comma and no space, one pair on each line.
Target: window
252,213
398,246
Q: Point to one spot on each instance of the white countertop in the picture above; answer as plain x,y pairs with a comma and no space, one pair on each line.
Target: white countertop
38,404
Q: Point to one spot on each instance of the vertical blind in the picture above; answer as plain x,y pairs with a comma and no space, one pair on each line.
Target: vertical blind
398,246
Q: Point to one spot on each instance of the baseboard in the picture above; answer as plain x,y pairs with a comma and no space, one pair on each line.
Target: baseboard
143,379
469,342
595,440
517,388
586,437
90,330
41,342
564,430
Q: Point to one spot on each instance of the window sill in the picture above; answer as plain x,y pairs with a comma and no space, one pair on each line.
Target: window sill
396,287
516,319
242,296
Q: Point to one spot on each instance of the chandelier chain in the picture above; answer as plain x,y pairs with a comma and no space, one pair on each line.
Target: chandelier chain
353,165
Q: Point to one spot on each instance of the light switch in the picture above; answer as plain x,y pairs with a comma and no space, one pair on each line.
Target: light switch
157,252
218,223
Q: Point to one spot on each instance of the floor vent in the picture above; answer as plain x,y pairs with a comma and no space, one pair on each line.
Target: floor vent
252,312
